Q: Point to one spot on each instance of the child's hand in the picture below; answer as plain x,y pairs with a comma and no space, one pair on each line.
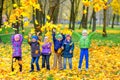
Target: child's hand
38,33
70,51
30,35
62,47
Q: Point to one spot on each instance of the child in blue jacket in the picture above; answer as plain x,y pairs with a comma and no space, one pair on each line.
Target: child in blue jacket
68,47
57,40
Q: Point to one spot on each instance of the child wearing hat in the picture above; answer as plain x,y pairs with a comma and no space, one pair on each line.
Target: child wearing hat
35,51
85,41
58,40
46,52
17,40
68,47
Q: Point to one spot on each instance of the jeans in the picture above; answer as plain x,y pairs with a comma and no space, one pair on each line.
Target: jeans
45,59
35,59
84,52
65,61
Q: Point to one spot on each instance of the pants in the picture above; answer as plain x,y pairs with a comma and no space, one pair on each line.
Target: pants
45,59
20,65
57,58
35,59
65,61
84,52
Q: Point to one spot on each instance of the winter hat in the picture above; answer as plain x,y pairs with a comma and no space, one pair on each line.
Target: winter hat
84,31
58,36
16,36
45,38
35,37
68,35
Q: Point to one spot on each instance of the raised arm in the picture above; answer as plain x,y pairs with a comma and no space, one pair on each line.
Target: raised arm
91,34
21,38
12,39
76,34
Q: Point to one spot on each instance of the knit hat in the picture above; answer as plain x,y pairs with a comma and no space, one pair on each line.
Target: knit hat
45,38
84,31
16,36
68,35
58,36
35,37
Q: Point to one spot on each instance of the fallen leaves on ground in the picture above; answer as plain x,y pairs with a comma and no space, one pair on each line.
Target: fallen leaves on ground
104,63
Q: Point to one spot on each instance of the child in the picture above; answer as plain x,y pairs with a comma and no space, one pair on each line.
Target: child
68,47
16,47
46,52
57,40
35,51
85,40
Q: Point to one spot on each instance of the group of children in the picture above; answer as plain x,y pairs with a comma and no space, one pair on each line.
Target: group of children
63,47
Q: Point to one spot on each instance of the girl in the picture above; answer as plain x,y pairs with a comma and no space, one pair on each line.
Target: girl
17,40
68,47
35,51
46,52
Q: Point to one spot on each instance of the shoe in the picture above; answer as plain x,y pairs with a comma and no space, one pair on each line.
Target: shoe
31,71
79,69
86,69
38,70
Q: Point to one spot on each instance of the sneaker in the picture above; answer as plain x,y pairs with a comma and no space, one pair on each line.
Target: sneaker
86,69
79,69
31,71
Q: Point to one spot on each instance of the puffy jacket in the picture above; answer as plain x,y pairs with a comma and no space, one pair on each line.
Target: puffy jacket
46,48
84,43
57,44
68,46
16,46
35,49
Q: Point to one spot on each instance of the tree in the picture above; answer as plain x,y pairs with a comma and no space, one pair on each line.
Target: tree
1,10
115,4
73,13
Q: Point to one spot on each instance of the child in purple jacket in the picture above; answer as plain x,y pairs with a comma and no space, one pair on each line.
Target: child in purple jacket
46,52
16,47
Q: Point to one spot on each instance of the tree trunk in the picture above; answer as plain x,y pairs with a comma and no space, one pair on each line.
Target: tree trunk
83,19
117,19
94,21
86,19
104,23
91,18
113,20
1,10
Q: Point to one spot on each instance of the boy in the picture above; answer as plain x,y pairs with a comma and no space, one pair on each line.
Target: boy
35,51
85,41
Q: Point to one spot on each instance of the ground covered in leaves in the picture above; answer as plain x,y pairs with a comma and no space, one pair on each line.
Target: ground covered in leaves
104,64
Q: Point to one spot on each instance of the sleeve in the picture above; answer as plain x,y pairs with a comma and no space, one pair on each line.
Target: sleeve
91,34
76,35
72,46
63,37
63,44
53,35
21,38
12,39
39,40
29,42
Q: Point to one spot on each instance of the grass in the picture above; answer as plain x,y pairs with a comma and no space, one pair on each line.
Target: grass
115,38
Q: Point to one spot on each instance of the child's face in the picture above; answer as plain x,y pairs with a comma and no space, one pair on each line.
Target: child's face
34,40
17,38
59,39
68,38
84,34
